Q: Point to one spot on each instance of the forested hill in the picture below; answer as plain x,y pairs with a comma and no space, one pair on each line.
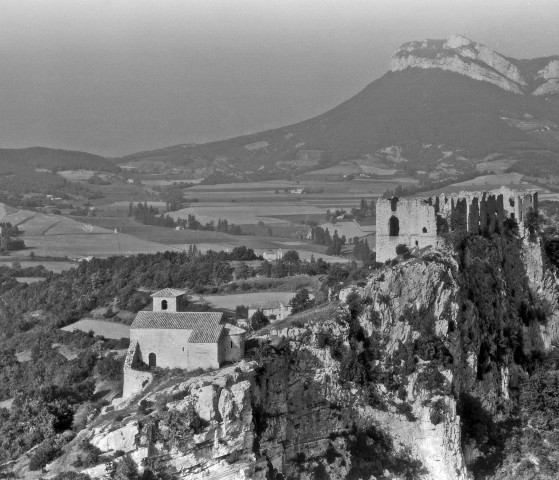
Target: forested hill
14,160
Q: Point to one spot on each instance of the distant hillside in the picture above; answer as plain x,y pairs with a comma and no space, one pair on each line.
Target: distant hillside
52,159
33,170
439,109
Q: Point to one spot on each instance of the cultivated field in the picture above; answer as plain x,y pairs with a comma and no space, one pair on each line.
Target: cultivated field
77,175
495,179
84,245
56,235
100,327
53,266
242,214
231,301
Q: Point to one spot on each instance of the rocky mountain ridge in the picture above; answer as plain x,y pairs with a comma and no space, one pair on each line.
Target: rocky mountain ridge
445,105
458,54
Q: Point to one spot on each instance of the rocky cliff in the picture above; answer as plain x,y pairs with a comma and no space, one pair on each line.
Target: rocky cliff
421,373
460,55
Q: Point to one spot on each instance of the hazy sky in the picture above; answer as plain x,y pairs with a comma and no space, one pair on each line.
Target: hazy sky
119,76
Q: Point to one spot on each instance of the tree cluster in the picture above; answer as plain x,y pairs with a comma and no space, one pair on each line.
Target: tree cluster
149,215
322,236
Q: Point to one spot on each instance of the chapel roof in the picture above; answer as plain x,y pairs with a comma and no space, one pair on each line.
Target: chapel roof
205,327
233,329
168,293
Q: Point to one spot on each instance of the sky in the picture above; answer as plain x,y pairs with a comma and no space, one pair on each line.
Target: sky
114,77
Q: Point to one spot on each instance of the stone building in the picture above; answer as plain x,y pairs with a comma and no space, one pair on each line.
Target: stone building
272,254
169,337
421,221
274,310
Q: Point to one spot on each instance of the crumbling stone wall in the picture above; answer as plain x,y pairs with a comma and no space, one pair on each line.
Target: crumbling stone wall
419,222
134,380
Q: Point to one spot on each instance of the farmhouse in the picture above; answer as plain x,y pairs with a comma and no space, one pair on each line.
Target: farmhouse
272,254
169,337
274,310
420,222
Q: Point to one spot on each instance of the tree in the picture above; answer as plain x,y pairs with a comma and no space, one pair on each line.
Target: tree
242,271
291,256
258,320
301,301
125,470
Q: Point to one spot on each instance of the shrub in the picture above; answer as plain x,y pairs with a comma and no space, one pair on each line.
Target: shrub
431,379
406,409
438,411
510,226
331,454
402,249
110,367
533,222
45,453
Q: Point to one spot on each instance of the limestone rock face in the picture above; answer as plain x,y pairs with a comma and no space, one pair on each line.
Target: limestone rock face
297,409
460,55
123,438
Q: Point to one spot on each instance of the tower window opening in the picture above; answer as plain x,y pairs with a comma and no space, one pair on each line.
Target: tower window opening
164,305
394,226
424,230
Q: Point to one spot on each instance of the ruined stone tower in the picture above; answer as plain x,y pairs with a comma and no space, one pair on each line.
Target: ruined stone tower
421,221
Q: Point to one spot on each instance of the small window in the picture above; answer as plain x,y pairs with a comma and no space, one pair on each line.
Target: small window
183,349
416,243
231,343
152,362
163,304
424,230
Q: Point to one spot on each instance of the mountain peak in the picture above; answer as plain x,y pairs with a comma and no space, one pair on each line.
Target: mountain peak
461,55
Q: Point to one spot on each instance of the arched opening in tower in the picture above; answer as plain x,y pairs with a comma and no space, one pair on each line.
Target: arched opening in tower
394,226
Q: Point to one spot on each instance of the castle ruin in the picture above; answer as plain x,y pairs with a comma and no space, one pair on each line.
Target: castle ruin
419,222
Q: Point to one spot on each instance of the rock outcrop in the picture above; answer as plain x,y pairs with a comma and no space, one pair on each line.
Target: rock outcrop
384,388
460,55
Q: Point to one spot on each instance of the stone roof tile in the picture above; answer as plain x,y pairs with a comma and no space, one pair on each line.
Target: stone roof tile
168,293
206,327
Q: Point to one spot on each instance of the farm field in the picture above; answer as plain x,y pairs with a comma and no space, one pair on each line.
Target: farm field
100,327
231,301
242,214
29,280
554,197
53,266
494,179
56,235
496,166
99,245
78,175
